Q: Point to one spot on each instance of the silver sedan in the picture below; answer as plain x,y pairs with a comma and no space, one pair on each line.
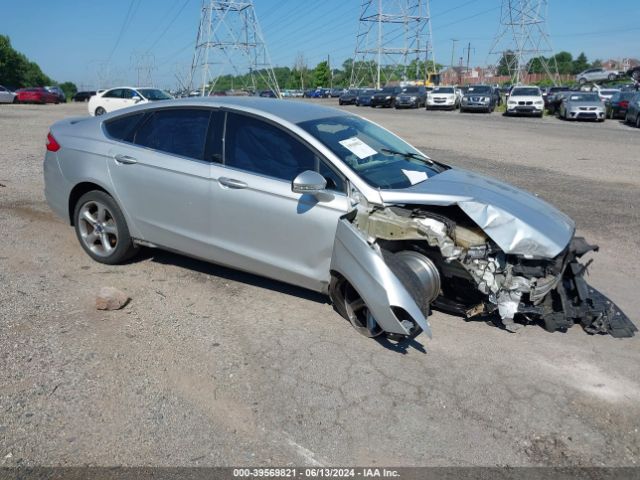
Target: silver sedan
326,200
582,106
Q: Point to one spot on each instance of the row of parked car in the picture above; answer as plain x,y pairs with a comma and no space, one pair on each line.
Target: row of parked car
42,95
471,98
581,103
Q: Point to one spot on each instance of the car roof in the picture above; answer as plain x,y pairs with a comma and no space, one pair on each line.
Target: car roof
294,111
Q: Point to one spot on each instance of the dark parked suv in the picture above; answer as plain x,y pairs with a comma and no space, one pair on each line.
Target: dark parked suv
386,97
412,97
478,98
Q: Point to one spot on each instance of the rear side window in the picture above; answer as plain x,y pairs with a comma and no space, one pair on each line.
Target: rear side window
122,128
177,131
117,93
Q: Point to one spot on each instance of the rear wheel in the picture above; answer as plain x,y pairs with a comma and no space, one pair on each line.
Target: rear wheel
612,77
101,229
638,121
100,111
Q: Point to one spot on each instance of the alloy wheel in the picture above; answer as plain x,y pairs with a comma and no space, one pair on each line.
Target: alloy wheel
359,314
98,228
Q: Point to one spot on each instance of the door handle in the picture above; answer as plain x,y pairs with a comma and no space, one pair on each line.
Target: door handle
124,159
232,182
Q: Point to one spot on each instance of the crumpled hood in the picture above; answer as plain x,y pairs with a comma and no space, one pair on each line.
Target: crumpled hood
518,222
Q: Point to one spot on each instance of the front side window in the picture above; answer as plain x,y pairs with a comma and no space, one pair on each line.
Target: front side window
262,148
154,94
380,158
127,93
176,131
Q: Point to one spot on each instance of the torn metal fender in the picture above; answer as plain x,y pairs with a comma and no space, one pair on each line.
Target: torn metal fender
362,265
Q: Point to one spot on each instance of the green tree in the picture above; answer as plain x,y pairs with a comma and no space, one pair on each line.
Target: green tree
580,64
69,89
565,62
507,63
322,74
16,70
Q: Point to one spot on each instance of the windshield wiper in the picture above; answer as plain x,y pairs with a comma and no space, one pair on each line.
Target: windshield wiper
414,156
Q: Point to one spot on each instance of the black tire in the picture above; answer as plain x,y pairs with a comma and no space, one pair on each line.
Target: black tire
121,242
339,102
582,81
612,77
15,100
100,111
638,121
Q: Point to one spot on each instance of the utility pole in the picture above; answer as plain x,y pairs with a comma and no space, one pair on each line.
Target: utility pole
389,33
230,41
468,57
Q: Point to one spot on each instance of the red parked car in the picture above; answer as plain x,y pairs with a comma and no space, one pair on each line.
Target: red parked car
36,95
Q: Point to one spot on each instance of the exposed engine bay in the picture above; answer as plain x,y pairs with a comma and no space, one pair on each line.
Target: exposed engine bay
463,271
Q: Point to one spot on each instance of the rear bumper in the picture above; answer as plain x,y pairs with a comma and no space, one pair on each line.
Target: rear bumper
56,188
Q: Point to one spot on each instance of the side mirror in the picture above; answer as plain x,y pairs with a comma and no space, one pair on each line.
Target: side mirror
309,182
136,99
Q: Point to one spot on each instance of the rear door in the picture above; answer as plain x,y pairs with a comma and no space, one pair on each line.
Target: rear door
162,178
258,222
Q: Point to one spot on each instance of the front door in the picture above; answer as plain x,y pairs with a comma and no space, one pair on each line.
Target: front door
257,221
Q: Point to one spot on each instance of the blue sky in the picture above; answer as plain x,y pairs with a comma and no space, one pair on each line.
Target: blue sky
86,40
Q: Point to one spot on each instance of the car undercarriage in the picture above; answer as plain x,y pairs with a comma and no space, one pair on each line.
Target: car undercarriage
461,270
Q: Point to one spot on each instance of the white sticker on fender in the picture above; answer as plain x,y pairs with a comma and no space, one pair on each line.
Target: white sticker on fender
415,177
358,147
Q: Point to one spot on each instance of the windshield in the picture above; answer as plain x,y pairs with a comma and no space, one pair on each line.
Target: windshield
525,92
608,92
368,91
389,90
443,90
411,90
380,158
154,94
584,97
483,90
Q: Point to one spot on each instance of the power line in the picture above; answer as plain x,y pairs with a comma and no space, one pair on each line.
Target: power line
125,24
169,25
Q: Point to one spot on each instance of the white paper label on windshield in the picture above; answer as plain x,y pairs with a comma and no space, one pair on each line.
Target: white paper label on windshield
415,177
358,147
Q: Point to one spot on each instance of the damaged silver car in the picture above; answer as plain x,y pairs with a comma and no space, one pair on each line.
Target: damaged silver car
326,200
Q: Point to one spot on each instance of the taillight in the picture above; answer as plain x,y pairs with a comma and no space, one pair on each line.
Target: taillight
52,144
624,104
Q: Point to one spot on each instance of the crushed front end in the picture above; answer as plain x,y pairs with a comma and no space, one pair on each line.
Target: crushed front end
478,279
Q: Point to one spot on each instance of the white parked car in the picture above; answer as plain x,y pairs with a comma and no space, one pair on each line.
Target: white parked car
6,95
443,97
525,100
122,97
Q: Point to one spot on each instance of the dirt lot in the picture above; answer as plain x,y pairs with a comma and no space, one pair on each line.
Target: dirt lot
209,366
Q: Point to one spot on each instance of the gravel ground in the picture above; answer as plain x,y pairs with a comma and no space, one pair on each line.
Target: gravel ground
210,366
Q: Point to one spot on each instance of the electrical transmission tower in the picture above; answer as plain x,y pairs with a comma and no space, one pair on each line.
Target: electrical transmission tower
144,64
230,41
523,37
391,34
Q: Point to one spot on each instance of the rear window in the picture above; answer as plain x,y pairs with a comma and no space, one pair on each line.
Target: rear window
122,128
